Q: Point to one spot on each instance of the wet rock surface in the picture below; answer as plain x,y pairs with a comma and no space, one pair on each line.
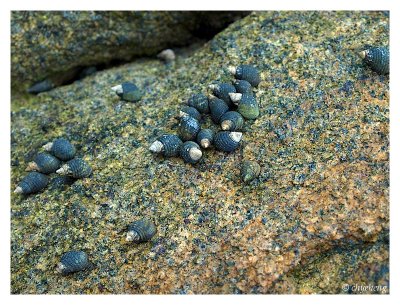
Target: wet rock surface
322,141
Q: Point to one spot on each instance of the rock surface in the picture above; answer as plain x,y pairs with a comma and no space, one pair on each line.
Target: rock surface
322,141
55,45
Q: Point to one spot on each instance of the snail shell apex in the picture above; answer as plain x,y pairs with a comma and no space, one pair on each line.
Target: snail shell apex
222,92
200,102
168,145
33,182
205,138
44,163
140,231
190,111
128,92
249,171
247,73
73,261
191,152
217,108
61,148
232,121
189,127
377,58
76,168
227,141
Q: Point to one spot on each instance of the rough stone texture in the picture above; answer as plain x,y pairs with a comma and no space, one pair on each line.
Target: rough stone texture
356,269
54,44
322,141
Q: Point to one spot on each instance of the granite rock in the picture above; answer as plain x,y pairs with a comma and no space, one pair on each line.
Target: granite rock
322,141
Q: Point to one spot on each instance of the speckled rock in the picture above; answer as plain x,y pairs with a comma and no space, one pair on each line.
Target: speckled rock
322,140
55,45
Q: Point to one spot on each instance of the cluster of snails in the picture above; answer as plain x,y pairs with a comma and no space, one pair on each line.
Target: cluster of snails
220,105
49,162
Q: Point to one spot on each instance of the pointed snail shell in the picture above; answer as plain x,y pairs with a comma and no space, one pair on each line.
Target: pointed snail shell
73,261
76,168
227,141
44,163
141,230
61,148
191,152
168,145
33,182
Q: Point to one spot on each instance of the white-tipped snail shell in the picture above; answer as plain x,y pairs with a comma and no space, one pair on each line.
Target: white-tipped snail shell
227,140
140,231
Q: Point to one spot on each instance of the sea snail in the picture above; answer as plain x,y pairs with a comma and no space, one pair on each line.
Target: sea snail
128,92
73,261
76,168
247,105
232,121
61,148
44,163
140,231
190,111
242,86
188,128
191,152
33,182
227,140
205,138
200,102
217,108
167,55
222,92
246,72
377,58
168,145
249,171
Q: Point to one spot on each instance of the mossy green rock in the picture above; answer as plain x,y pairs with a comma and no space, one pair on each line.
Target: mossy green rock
322,141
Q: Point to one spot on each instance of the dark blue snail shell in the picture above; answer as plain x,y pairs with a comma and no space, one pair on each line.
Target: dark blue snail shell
76,168
377,58
200,102
128,92
189,128
232,121
33,182
44,163
141,230
190,111
73,261
227,141
61,148
191,152
205,138
168,145
222,92
247,73
217,107
242,86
